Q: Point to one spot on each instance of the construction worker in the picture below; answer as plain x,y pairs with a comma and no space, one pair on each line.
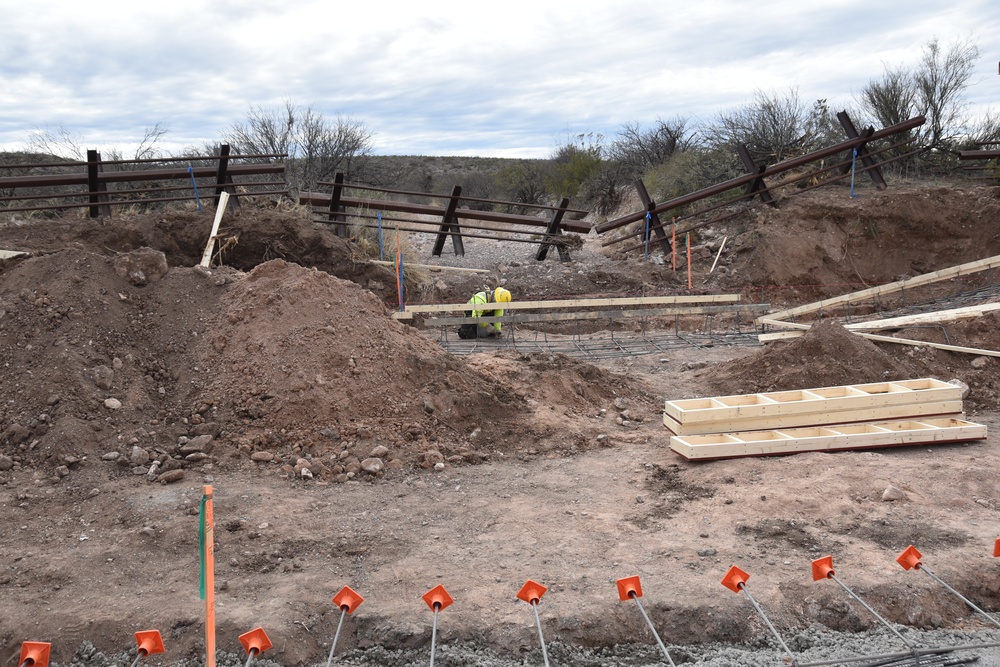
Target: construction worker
479,300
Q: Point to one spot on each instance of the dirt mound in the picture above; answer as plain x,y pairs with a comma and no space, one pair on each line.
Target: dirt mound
827,355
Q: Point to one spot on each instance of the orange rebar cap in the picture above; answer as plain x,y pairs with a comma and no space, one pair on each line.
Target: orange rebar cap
735,579
437,598
35,654
347,599
822,568
628,587
996,548
910,558
531,592
255,641
149,642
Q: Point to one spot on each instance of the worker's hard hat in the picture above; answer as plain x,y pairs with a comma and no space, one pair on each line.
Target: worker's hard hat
500,295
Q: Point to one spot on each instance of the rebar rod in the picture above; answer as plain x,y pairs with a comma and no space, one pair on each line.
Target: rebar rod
434,629
651,628
541,639
871,611
336,636
138,657
250,655
923,568
907,654
774,632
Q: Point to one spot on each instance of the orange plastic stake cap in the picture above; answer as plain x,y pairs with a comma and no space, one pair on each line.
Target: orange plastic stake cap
35,654
531,592
437,597
910,558
822,568
255,641
628,587
347,599
734,579
996,548
149,642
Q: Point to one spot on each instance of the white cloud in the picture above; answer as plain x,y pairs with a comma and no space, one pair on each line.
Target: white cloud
446,76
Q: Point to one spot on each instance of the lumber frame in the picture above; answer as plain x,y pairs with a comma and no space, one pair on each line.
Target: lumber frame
609,302
827,438
785,335
591,315
888,288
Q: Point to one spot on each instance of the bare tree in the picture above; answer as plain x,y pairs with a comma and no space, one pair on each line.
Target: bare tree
316,147
772,127
638,149
940,80
891,99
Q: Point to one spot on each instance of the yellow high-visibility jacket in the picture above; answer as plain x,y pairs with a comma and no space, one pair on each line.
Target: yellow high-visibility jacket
483,298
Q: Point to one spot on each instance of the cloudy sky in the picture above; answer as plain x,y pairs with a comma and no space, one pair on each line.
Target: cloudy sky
512,78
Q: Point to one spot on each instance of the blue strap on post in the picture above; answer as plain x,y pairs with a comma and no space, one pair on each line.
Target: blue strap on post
854,161
381,253
649,220
195,186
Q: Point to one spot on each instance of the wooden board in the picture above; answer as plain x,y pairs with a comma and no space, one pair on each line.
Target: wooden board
826,438
785,335
890,288
810,402
7,254
582,303
934,317
907,411
593,315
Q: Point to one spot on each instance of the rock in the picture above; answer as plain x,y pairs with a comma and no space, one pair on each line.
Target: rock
110,456
372,465
331,433
140,470
194,457
142,266
892,494
439,466
16,434
431,458
620,403
262,457
964,387
112,404
6,463
62,471
305,473
94,493
394,464
603,440
706,552
171,476
980,362
103,377
148,531
139,456
380,452
202,443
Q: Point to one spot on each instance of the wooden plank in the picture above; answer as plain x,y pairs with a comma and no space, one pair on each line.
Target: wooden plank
7,254
431,267
206,257
828,438
889,288
811,403
782,335
933,317
609,302
592,315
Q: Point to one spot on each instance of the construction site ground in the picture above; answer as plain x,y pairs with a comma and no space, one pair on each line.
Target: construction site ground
346,448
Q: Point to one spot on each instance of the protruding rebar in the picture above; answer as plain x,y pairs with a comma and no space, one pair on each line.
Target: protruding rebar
898,656
138,657
652,629
923,568
774,632
434,628
250,654
541,639
874,613
336,636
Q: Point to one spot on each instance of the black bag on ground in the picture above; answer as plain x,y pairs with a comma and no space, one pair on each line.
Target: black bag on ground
467,331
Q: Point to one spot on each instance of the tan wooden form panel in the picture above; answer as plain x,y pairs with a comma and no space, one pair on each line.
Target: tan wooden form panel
777,404
826,438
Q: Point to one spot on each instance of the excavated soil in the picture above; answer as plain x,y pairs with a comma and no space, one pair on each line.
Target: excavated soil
346,448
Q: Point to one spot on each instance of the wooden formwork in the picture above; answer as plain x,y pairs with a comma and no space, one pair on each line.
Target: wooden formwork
826,438
923,397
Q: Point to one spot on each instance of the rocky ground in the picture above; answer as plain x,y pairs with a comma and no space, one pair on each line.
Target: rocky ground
346,448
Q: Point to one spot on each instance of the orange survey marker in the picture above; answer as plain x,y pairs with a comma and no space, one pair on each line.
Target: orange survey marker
437,598
347,599
735,579
996,549
628,587
910,558
35,654
822,568
255,642
149,642
531,592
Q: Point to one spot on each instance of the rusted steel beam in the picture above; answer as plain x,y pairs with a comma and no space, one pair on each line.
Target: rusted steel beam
757,186
552,231
449,226
336,209
55,180
866,159
771,170
978,155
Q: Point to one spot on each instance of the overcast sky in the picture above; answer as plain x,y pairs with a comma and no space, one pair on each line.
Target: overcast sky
512,78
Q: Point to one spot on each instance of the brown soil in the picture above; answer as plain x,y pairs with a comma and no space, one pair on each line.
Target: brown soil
346,448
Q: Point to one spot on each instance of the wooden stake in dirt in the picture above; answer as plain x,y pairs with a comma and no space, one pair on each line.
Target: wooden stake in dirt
206,257
207,539
719,254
